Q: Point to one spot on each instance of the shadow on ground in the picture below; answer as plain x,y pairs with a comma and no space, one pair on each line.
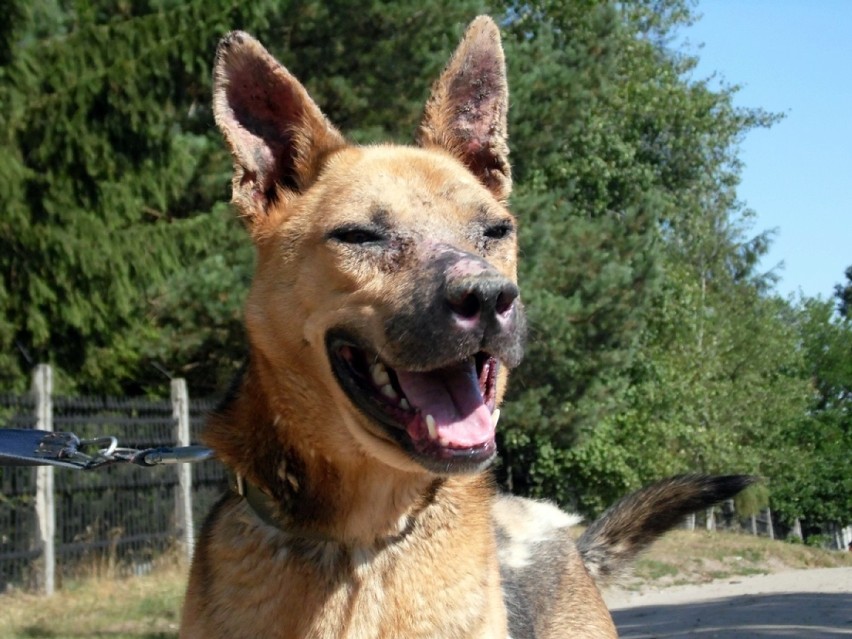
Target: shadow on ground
762,616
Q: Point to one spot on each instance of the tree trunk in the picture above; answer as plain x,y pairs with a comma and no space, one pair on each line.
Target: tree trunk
797,529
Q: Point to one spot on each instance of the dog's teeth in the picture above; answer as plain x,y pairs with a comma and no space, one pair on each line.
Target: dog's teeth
389,392
403,404
379,374
293,481
432,427
495,417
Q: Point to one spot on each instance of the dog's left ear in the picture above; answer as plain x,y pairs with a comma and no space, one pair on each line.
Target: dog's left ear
466,114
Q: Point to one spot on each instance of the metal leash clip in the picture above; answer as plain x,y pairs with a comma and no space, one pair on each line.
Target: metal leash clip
165,455
65,447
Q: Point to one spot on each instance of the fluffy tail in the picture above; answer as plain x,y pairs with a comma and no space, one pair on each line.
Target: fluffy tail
632,524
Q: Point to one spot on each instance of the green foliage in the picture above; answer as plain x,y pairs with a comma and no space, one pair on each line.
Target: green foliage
812,475
653,348
818,541
113,176
752,500
107,163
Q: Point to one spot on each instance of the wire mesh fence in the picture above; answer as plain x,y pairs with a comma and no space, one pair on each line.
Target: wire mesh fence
117,520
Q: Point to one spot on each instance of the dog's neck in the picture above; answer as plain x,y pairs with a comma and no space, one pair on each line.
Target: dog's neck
372,524
309,488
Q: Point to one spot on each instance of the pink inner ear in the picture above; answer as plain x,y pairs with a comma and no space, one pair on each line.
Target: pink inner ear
475,91
477,94
265,108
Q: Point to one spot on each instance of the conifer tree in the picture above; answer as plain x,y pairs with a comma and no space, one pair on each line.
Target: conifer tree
843,293
121,264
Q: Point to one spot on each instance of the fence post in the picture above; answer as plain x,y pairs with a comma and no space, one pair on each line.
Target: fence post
769,528
45,511
183,498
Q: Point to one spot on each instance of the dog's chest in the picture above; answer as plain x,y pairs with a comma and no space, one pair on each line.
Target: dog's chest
319,589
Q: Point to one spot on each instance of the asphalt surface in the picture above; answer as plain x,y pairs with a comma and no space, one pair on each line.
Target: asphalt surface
805,604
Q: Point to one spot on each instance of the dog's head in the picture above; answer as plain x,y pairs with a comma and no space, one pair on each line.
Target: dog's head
385,294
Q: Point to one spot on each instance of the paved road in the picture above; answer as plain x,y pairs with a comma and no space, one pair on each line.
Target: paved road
801,604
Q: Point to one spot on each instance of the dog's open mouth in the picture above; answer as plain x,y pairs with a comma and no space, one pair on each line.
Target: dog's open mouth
444,417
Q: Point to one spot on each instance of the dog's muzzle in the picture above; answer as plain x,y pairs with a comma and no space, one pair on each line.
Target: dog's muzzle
431,386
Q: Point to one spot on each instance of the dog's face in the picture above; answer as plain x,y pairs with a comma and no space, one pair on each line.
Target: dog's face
385,286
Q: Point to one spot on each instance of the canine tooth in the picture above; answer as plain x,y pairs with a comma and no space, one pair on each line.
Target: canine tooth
432,427
379,374
293,481
389,392
403,403
495,417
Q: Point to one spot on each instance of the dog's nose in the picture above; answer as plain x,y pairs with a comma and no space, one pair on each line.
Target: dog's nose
477,293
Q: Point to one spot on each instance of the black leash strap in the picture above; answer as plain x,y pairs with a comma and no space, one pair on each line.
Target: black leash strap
25,447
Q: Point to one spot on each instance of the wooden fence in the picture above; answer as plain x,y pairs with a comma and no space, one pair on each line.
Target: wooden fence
56,523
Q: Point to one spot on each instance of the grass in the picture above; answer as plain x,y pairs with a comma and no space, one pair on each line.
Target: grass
684,557
148,607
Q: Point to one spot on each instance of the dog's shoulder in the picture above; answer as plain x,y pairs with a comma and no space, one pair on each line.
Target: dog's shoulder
542,572
529,532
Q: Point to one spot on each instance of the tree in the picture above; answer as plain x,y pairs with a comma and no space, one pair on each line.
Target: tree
119,263
106,166
843,293
587,212
812,476
636,260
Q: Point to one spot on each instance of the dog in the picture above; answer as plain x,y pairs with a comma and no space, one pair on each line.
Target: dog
382,320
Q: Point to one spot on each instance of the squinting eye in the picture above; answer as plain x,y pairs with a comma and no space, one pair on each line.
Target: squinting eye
355,236
498,231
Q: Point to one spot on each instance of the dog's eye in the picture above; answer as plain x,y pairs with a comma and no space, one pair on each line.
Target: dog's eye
498,231
351,235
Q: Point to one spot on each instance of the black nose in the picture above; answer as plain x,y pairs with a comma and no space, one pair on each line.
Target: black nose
483,296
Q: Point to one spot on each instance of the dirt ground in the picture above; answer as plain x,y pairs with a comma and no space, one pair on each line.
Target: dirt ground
803,604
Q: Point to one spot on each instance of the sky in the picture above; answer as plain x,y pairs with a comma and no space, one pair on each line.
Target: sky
792,57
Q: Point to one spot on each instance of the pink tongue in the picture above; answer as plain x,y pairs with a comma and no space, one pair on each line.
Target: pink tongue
452,396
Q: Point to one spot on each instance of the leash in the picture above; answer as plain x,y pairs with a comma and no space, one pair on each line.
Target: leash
25,447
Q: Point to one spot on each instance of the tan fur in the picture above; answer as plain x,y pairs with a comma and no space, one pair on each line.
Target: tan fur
356,525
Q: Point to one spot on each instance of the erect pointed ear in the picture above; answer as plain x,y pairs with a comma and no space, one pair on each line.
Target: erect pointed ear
277,135
466,114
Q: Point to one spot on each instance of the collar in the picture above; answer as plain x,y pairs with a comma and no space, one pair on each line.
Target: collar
258,501
267,510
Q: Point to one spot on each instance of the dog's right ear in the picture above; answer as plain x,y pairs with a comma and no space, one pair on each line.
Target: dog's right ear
277,135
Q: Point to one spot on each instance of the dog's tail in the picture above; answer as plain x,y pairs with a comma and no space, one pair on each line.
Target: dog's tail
627,528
